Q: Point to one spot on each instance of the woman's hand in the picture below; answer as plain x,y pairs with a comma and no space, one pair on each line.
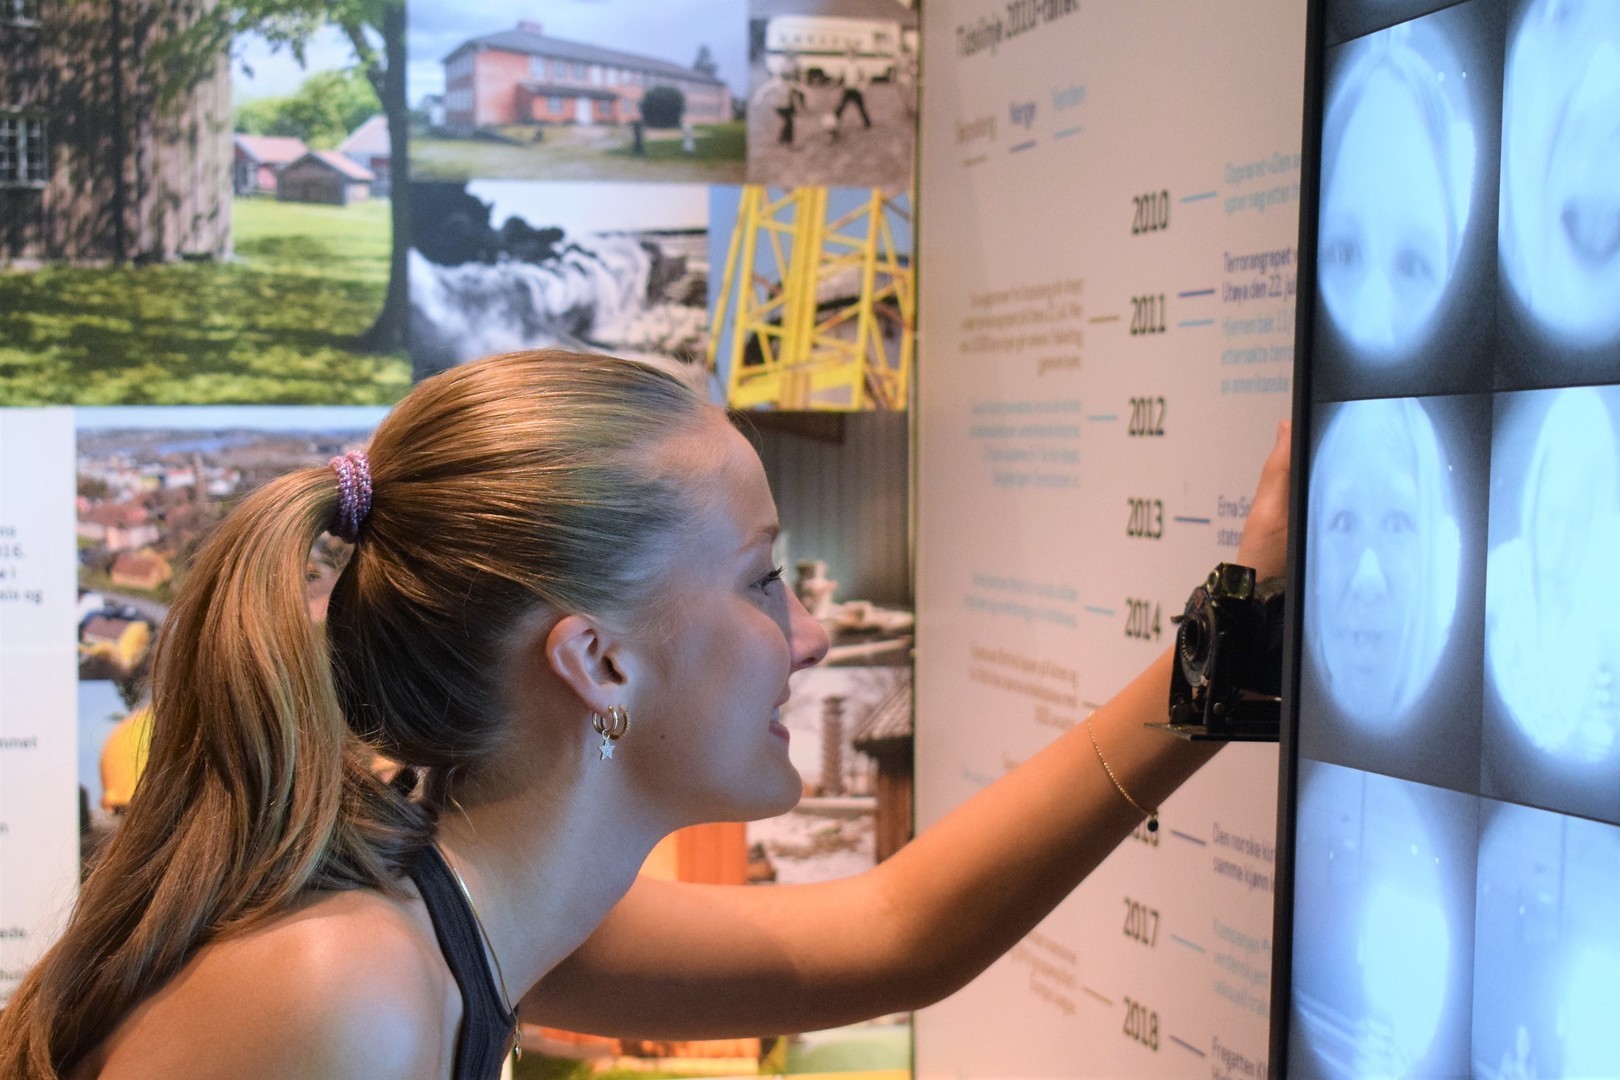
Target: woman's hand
1264,544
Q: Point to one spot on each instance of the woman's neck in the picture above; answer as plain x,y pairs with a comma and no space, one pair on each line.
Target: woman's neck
546,859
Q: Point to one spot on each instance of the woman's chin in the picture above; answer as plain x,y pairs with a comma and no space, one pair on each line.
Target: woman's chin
765,797
792,790
1368,696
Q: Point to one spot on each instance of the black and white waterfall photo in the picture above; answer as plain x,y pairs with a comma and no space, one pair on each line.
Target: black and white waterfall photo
497,266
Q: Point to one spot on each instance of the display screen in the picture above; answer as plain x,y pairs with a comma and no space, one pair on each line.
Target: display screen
1455,887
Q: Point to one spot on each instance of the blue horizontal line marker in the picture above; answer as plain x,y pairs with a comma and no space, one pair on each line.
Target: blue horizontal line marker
1187,1046
1195,292
1100,610
1191,520
1198,197
1066,132
1103,417
1189,838
1028,144
1195,322
1179,940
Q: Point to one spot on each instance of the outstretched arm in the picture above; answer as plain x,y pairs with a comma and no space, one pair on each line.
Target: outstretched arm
697,961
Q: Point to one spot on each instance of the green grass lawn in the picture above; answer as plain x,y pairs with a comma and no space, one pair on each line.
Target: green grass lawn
853,1049
863,1048
275,325
711,144
581,153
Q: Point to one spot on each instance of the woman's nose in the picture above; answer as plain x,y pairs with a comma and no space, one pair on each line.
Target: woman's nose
806,636
1368,579
1375,305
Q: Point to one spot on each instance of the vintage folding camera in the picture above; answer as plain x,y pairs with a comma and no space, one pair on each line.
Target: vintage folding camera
1227,679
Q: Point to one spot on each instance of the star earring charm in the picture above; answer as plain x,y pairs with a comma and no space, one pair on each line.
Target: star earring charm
611,728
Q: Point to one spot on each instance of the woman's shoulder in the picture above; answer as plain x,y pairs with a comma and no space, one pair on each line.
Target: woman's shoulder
348,984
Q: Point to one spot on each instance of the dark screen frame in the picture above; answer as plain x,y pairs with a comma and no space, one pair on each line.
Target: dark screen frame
1282,934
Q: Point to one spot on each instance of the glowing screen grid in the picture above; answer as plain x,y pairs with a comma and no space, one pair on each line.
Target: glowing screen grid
1457,849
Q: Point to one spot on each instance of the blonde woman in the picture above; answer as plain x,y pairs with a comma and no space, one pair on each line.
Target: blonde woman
1397,190
1551,594
562,617
1381,588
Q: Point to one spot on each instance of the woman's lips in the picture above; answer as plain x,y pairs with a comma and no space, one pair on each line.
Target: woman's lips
777,727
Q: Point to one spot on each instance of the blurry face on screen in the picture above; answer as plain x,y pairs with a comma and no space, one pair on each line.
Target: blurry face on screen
1560,216
1554,648
1397,155
1377,522
1369,549
1384,253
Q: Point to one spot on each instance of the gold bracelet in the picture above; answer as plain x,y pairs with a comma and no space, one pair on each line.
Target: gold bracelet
1151,815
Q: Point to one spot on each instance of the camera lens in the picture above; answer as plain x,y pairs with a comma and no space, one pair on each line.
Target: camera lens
1194,643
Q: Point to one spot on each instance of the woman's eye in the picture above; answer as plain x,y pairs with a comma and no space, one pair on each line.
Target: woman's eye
1341,252
1343,521
1413,266
774,576
1398,521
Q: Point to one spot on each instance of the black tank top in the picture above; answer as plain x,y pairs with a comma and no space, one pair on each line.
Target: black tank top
485,1037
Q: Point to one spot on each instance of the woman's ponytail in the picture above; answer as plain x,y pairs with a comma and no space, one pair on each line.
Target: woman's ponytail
255,789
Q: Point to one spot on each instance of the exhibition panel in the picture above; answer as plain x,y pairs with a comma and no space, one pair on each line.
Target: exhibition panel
39,804
1108,204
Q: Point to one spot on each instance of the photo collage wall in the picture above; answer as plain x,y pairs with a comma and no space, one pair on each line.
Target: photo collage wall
246,283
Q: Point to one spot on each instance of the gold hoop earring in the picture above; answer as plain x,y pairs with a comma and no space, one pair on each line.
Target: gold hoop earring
611,729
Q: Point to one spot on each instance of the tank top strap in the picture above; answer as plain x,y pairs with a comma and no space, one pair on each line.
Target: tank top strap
486,1025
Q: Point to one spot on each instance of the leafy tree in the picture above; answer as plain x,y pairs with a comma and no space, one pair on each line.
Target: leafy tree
375,30
261,116
705,64
325,109
662,107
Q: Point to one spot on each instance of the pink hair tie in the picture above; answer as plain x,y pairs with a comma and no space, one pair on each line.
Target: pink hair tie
354,494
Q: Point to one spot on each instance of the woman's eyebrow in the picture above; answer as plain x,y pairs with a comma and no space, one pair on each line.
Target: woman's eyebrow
765,534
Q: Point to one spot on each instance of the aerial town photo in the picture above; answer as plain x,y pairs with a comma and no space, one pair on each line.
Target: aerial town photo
153,482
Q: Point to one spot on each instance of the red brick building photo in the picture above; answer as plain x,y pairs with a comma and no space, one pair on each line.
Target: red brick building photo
521,76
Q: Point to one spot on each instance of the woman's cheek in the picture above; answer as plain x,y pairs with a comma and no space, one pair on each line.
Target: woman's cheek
1402,561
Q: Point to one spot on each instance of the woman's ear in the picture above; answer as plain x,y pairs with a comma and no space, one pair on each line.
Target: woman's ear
588,660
